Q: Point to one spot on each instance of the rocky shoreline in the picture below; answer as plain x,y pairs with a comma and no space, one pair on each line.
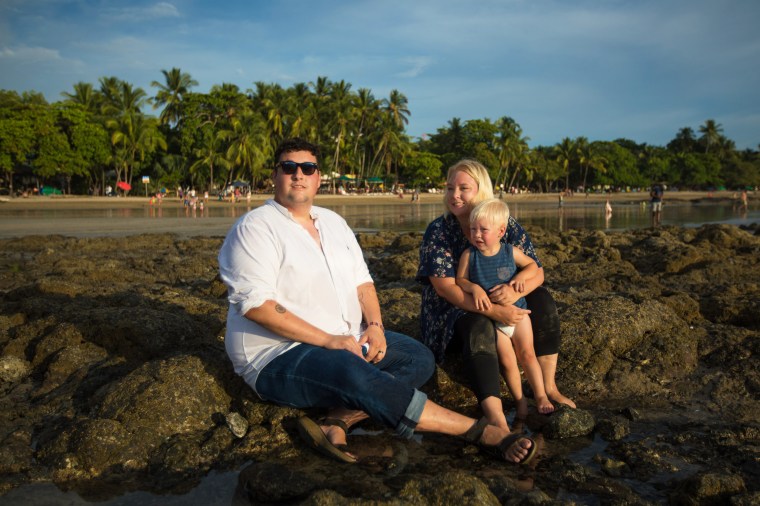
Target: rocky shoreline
113,377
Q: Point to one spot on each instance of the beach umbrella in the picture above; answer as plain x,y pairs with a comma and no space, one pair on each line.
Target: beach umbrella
123,185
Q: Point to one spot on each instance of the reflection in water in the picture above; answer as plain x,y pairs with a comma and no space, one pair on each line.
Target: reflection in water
402,217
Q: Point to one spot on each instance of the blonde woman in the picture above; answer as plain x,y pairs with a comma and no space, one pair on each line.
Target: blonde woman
450,321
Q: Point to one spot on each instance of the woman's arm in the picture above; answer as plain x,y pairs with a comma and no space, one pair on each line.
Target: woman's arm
448,289
505,294
528,269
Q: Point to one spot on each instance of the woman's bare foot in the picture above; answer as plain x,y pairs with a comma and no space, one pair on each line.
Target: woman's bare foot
516,452
556,396
544,406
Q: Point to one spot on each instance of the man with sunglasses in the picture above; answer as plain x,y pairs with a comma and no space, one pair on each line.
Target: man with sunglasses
304,327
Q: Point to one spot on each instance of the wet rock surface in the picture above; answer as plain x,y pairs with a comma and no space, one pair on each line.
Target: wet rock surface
113,378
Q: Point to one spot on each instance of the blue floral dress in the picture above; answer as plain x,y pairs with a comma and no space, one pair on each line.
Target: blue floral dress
442,246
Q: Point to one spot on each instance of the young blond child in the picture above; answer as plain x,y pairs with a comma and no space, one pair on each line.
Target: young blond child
489,262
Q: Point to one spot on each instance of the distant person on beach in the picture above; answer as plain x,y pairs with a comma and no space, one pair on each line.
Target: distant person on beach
744,206
449,319
487,264
656,195
305,329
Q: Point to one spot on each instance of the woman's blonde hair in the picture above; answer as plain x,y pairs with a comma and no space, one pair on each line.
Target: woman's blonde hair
476,171
494,211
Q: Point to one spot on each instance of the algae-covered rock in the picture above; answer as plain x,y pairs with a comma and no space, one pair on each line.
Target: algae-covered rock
566,422
114,377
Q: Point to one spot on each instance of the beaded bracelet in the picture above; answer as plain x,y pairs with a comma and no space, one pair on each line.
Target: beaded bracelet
377,325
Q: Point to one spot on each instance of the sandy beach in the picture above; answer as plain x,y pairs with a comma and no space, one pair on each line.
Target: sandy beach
133,201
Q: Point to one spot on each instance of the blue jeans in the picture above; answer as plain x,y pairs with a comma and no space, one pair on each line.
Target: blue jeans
313,377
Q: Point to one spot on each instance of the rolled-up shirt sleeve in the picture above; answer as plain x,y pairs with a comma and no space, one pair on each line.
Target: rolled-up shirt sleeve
248,265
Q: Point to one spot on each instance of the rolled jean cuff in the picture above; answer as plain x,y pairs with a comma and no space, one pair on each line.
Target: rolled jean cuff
411,418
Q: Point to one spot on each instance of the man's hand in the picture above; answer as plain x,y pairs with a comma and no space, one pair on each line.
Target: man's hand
348,343
375,337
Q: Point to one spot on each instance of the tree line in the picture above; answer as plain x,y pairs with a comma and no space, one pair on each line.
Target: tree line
96,136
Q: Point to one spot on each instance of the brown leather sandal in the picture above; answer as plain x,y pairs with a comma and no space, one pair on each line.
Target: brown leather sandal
312,434
475,433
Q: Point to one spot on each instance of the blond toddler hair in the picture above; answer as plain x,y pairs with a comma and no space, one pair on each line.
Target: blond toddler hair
494,211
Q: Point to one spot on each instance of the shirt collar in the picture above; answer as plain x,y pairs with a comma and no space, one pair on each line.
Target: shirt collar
313,212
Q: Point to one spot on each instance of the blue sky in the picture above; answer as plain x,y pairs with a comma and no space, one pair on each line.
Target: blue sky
599,69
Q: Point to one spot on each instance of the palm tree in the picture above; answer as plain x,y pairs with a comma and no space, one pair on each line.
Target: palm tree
120,98
397,106
301,112
248,146
566,154
319,99
683,142
711,133
269,100
210,155
521,160
392,145
341,114
170,94
589,158
133,136
365,110
512,147
584,152
84,95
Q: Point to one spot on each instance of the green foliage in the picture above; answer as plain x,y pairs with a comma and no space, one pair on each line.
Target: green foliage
210,139
622,166
423,169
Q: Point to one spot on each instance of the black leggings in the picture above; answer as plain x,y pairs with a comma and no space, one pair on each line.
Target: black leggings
478,337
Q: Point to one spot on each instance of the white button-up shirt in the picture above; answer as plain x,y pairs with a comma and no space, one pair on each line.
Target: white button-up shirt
267,255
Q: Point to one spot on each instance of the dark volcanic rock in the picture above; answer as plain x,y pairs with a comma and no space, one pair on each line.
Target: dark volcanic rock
113,377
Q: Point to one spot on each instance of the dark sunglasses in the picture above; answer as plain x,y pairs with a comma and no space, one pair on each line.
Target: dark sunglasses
290,168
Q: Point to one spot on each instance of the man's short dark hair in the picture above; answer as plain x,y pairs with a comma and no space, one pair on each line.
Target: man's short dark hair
295,144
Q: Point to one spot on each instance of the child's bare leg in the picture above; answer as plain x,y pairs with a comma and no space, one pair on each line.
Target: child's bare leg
526,355
549,369
511,372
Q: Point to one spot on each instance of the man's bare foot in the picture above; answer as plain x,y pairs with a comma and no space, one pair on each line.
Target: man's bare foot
335,434
544,406
557,397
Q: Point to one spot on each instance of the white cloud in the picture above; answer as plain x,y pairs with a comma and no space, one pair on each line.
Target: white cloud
159,10
30,54
417,66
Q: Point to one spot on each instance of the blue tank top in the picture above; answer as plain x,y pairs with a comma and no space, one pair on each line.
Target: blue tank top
495,270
